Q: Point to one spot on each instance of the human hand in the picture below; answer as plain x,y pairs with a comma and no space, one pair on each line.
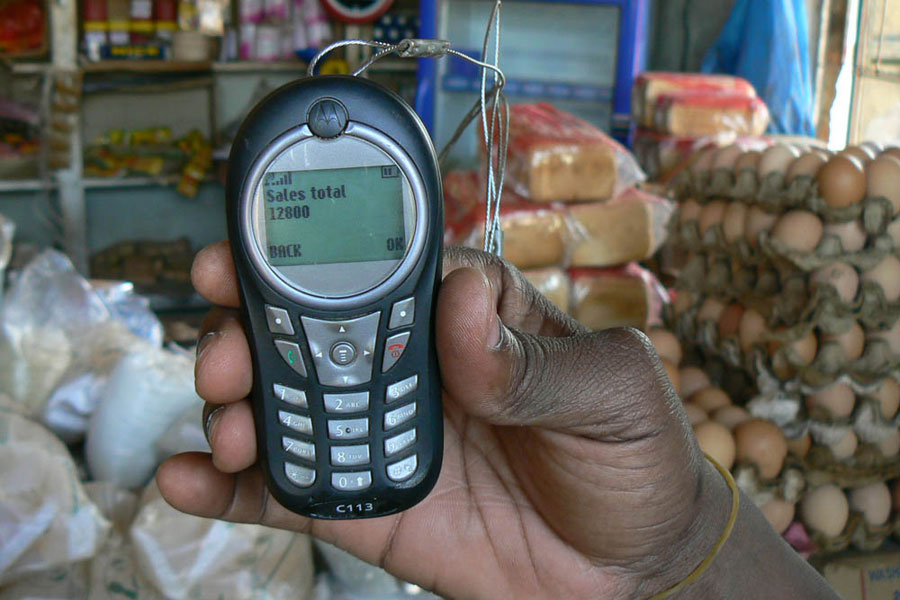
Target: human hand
569,468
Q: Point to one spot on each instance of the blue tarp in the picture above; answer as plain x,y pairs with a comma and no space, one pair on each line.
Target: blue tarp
767,43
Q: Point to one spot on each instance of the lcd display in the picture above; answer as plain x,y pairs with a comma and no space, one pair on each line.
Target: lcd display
328,216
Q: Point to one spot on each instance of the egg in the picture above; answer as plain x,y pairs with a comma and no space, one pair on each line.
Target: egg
711,215
726,157
780,514
734,221
839,275
757,222
703,161
693,379
861,153
802,350
842,181
688,211
883,180
667,345
716,440
672,373
893,230
825,510
852,341
888,396
890,445
730,320
695,414
761,443
838,400
851,234
845,447
777,159
875,147
800,446
895,152
710,399
873,501
799,230
891,336
751,329
684,301
895,493
730,416
748,161
887,275
806,166
710,310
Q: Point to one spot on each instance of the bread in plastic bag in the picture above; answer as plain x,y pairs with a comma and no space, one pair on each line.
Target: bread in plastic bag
553,283
7,230
689,113
628,296
557,157
649,86
47,520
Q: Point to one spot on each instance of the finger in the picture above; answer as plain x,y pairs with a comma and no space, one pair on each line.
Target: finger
607,384
214,277
231,435
519,304
223,372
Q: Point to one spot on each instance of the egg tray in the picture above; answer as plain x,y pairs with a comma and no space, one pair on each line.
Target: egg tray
857,533
865,467
829,250
788,485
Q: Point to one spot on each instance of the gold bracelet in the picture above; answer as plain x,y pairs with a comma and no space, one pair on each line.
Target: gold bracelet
735,503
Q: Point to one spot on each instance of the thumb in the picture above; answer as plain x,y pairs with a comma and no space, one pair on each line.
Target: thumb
607,384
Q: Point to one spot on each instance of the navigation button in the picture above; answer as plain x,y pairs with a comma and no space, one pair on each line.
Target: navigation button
298,423
346,403
403,313
404,469
290,395
335,364
290,352
279,320
394,348
402,388
299,476
351,482
343,354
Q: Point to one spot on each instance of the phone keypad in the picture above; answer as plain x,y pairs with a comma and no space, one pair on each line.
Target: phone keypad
279,321
350,456
403,313
298,423
299,476
401,389
399,443
399,416
330,343
300,449
290,352
346,403
394,348
351,482
403,469
348,429
290,395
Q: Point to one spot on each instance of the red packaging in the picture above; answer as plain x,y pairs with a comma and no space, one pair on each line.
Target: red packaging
649,86
693,113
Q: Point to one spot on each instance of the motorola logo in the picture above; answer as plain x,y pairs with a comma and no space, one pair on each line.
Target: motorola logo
327,118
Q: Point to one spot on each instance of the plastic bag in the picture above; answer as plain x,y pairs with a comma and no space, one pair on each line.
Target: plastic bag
47,520
147,392
767,43
628,296
130,309
702,113
552,283
7,230
648,87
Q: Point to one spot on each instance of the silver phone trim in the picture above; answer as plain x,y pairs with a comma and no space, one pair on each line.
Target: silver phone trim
404,267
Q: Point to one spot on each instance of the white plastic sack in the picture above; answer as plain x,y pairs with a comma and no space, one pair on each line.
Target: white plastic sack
146,394
7,230
191,557
46,518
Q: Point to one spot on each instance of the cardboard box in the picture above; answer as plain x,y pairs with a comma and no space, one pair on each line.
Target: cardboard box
865,575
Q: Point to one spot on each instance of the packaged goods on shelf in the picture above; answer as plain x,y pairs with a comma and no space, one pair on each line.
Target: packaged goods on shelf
702,113
146,263
649,86
628,296
557,157
553,283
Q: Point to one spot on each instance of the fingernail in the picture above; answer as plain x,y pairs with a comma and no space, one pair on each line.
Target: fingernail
212,419
203,344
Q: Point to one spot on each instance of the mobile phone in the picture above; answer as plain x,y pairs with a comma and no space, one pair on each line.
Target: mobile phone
335,221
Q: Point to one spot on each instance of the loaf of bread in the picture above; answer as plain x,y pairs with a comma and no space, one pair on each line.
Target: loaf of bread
649,86
628,296
557,157
691,113
630,227
551,282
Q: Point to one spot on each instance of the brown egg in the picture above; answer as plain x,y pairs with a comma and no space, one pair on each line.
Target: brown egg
717,441
688,211
846,446
800,446
890,445
873,501
852,341
710,310
825,510
893,230
667,345
695,414
883,180
711,399
838,400
806,166
891,336
748,161
777,159
734,221
851,234
757,222
895,152
887,275
799,230
726,157
842,181
704,160
863,154
684,301
780,514
876,147
888,396
730,320
841,276
712,214
693,379
802,351
672,373
730,416
751,330
761,443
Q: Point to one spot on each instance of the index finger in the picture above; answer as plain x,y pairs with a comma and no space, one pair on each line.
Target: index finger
214,277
